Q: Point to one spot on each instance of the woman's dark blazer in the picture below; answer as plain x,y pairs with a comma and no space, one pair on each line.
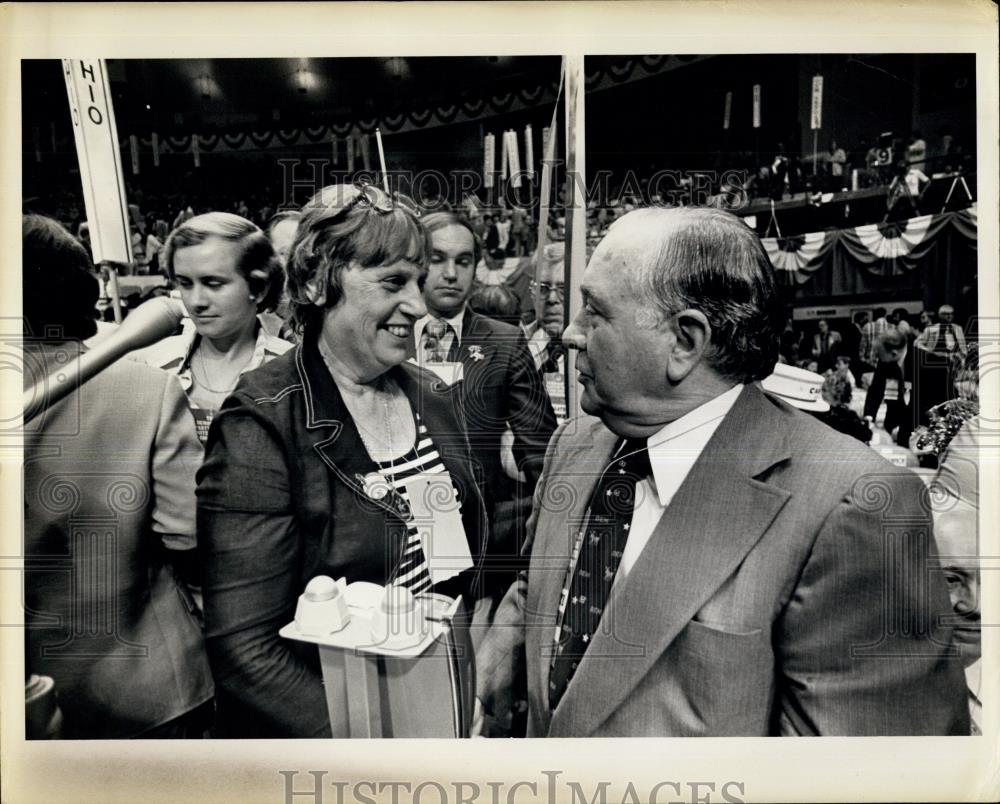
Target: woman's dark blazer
281,500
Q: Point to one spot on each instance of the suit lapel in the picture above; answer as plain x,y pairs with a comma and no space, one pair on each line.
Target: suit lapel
695,547
478,340
572,478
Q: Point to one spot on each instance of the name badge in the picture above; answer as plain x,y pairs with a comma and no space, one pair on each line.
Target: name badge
437,516
555,387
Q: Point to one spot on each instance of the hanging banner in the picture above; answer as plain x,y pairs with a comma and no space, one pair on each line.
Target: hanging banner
363,142
503,156
333,147
350,153
133,146
515,160
36,139
728,110
529,153
548,159
817,103
196,150
99,157
756,105
156,149
489,159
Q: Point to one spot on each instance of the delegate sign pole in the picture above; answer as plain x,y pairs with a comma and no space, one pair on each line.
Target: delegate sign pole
98,154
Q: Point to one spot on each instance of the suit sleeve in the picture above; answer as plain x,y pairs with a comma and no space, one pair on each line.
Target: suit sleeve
529,413
861,648
175,455
500,657
251,551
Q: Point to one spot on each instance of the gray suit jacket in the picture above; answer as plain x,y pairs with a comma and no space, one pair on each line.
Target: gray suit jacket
789,588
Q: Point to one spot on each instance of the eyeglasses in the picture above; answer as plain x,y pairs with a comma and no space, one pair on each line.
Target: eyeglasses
544,289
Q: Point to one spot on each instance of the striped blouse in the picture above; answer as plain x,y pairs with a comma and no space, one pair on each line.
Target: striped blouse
412,571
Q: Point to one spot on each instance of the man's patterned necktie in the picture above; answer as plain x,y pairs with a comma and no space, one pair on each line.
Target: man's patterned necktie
607,528
436,332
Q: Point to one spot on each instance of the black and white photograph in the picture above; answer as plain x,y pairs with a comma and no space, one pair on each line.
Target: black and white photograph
533,405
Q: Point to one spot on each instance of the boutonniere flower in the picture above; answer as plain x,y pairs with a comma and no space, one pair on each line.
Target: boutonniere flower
377,487
476,353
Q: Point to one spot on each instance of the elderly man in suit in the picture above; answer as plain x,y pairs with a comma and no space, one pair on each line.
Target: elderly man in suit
940,349
500,386
707,560
944,338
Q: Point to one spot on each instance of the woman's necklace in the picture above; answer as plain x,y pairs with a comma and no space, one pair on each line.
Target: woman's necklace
203,380
374,442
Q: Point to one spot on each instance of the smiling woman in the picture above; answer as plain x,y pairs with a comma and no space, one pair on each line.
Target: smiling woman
312,461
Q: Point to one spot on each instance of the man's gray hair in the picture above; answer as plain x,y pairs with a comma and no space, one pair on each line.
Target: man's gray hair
710,260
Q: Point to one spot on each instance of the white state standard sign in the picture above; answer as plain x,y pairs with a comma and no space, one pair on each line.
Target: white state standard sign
816,121
100,159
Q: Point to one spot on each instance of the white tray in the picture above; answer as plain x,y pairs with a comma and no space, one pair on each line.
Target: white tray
356,636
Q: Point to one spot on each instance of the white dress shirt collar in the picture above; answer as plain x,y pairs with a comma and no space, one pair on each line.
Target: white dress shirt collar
455,322
538,339
683,440
673,452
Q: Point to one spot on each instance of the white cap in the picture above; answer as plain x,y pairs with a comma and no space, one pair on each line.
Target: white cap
797,387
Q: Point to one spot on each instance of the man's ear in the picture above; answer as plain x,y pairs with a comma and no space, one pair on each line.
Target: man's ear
692,336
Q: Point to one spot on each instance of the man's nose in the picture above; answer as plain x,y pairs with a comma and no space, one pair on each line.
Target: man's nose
965,600
573,335
449,271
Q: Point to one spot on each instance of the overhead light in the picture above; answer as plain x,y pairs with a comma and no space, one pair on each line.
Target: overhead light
204,86
301,80
398,68
147,106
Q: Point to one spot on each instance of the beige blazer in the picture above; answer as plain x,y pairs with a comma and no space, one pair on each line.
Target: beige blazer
788,589
109,475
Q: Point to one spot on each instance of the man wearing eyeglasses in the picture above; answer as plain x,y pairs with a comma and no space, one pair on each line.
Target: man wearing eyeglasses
544,334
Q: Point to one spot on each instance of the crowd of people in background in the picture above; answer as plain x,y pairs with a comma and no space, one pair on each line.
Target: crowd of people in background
901,164
298,318
919,366
882,356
